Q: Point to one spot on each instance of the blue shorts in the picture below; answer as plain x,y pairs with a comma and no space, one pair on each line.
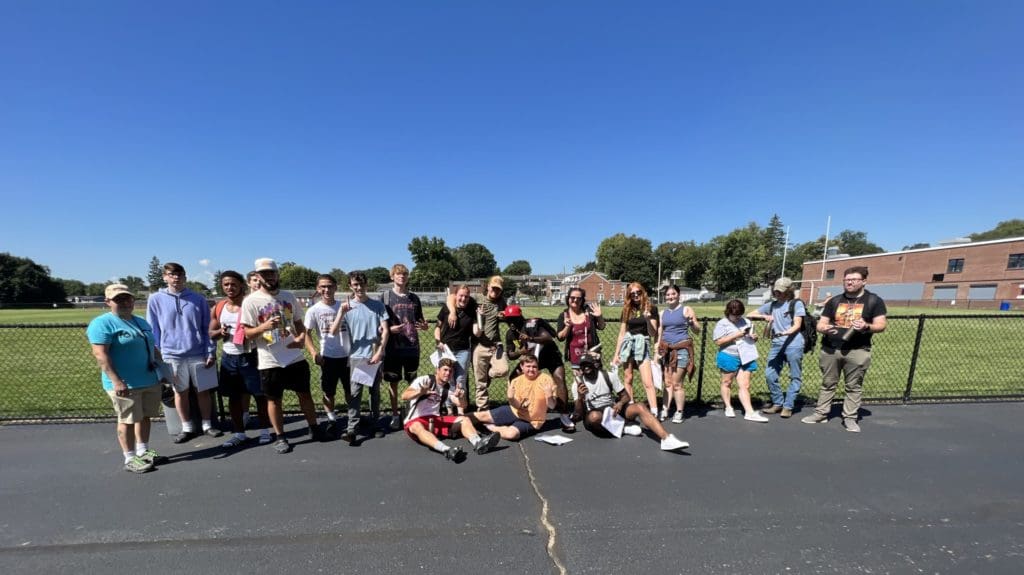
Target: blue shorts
504,416
731,364
239,374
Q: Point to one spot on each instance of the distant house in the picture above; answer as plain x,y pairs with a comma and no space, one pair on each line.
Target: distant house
597,285
759,296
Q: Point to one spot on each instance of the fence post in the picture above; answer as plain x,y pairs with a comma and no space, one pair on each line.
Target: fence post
913,358
700,366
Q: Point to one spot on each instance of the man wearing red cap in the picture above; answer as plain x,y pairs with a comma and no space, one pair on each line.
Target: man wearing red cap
535,336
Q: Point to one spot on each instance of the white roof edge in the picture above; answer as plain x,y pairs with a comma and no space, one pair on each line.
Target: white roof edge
932,248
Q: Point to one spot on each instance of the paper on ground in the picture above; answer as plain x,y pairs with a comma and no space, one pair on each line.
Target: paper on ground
553,439
363,372
612,422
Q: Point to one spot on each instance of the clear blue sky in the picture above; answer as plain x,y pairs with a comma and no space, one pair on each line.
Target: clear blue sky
331,133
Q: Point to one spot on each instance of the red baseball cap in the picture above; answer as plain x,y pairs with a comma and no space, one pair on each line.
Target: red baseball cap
512,311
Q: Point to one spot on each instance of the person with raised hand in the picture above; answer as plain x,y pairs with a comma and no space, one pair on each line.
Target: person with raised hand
633,348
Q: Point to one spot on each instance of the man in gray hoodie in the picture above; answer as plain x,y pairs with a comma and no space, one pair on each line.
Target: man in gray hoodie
181,325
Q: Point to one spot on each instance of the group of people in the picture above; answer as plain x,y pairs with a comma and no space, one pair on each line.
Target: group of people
363,341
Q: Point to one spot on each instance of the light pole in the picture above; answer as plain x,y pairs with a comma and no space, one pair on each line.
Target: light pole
659,282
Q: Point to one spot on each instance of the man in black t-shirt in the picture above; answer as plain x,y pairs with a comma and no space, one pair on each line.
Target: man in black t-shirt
405,321
846,325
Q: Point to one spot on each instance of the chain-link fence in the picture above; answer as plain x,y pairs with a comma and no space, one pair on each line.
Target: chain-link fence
47,372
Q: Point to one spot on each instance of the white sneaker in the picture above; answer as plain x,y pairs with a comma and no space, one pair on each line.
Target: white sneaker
678,417
755,416
634,430
730,412
672,443
664,414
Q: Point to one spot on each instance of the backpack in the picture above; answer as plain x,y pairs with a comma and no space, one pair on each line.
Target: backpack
809,329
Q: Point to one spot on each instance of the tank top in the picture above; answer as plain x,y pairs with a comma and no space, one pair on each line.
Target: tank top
677,325
230,319
578,345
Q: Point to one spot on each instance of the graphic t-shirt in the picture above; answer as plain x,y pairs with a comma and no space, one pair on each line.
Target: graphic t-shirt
602,392
319,318
271,345
843,310
403,310
426,405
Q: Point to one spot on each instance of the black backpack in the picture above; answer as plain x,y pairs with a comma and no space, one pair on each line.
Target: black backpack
810,325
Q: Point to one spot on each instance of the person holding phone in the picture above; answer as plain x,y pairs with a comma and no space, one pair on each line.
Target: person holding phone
735,337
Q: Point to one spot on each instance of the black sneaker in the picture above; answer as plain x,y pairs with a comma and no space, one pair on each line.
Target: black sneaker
487,443
317,434
455,454
282,446
349,437
379,433
183,437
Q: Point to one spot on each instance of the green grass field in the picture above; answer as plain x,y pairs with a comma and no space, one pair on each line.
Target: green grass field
49,371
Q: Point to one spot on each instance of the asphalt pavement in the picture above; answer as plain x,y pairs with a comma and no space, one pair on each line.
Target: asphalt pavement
923,489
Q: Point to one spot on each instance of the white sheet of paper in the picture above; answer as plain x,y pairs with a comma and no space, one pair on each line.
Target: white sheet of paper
363,372
553,439
612,422
748,350
657,375
436,357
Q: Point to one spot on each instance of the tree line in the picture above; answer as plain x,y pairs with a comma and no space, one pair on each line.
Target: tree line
735,262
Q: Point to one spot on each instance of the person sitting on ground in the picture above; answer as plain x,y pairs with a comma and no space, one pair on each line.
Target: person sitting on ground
530,396
426,425
597,389
536,337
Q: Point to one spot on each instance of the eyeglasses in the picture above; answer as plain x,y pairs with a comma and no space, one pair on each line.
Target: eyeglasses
852,280
574,298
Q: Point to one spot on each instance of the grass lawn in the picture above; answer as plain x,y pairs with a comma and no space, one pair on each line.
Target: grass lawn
49,370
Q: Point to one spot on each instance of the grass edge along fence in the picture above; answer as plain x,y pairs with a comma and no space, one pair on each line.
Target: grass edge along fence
47,372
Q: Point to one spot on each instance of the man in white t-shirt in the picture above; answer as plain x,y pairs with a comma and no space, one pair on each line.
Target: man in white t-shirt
597,390
332,354
274,319
426,425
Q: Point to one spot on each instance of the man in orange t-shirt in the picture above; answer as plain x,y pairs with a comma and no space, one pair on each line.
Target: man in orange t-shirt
530,396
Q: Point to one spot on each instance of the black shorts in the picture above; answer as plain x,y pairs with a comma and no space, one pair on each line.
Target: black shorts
396,367
277,379
333,369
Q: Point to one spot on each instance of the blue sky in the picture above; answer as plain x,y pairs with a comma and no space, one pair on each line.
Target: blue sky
331,133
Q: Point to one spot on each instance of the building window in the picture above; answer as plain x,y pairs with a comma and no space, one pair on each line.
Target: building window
830,274
938,277
1016,262
955,266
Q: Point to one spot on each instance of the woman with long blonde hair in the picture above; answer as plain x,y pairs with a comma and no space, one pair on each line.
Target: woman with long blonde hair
633,349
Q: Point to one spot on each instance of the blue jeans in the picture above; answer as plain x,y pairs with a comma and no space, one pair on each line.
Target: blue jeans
785,350
462,358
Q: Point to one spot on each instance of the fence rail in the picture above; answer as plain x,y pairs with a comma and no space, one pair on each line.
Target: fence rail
47,371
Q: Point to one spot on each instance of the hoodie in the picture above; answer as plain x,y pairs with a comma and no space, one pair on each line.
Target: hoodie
181,324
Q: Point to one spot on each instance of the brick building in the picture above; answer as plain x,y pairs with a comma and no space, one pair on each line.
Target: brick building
980,274
597,285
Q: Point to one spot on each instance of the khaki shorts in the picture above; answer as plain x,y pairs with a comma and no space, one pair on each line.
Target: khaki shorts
194,370
140,404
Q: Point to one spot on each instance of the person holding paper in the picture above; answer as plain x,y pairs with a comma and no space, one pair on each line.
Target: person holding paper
737,358
367,323
273,318
530,396
599,393
424,422
332,353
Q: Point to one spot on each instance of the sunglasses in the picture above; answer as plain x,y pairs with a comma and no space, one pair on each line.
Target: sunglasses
635,293
574,298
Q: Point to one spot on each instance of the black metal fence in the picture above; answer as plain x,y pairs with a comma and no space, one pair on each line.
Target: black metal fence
47,372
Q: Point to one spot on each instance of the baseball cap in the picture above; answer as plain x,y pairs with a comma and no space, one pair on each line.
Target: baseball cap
497,282
512,311
114,290
783,284
265,264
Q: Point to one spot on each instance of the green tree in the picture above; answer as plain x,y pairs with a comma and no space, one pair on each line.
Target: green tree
774,244
433,275
376,276
805,252
199,287
424,249
917,246
518,268
1006,229
294,276
475,261
73,287
135,284
24,281
856,243
341,277
590,266
688,257
95,288
628,258
735,259
155,275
